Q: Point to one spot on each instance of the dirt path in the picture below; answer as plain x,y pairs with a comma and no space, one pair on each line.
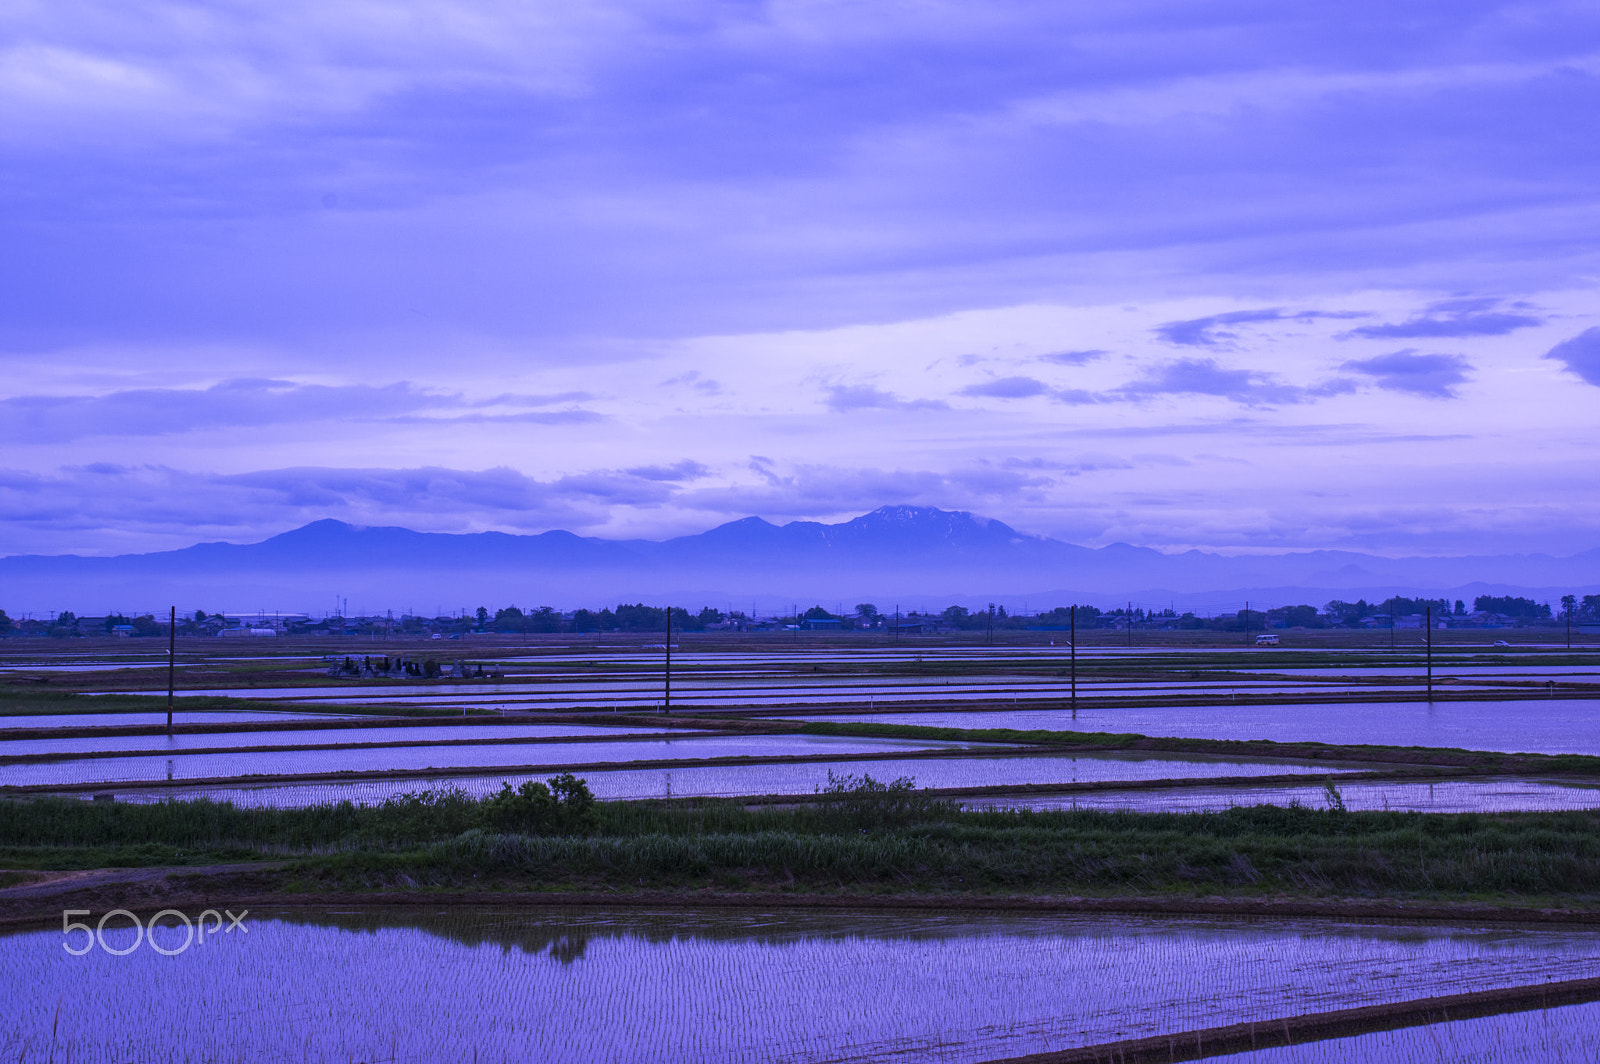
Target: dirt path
39,903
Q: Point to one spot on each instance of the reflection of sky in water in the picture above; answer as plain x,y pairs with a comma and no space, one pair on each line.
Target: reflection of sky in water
1448,796
1535,725
313,737
422,758
147,717
559,986
690,781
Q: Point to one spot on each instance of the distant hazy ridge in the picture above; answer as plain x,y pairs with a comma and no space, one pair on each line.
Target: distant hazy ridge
926,556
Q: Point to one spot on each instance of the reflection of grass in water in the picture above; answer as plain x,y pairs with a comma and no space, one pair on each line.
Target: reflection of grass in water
741,986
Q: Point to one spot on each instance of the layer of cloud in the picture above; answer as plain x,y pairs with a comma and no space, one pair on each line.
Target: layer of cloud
284,170
1581,355
1452,318
256,403
1435,376
156,504
827,490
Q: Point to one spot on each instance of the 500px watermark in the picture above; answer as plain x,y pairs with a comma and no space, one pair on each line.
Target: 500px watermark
194,931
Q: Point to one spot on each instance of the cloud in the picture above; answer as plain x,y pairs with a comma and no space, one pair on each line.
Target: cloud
154,506
1450,318
678,471
1086,464
1073,358
816,489
223,171
253,403
843,398
1211,332
1008,388
1203,376
693,379
1435,376
1581,355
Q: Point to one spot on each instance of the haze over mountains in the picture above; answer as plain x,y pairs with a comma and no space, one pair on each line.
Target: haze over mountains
916,556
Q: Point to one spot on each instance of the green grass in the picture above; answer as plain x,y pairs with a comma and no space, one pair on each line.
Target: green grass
887,839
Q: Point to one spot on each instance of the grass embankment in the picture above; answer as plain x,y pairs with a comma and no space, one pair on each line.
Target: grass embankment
863,839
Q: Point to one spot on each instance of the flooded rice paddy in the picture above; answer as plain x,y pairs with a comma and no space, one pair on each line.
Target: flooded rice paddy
1498,795
145,716
562,986
686,780
1536,725
464,755
88,744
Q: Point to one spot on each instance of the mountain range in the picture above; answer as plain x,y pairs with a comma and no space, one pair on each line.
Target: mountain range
919,556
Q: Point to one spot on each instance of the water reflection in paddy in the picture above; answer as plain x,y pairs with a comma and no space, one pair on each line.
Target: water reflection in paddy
682,781
310,737
148,717
420,759
1535,725
565,987
1498,795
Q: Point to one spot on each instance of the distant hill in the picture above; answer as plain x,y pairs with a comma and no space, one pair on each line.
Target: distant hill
918,555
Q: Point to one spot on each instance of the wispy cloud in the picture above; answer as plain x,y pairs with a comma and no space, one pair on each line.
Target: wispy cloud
1451,318
843,398
694,380
1204,376
255,403
1435,376
1008,388
1074,358
813,489
1581,355
678,471
1214,331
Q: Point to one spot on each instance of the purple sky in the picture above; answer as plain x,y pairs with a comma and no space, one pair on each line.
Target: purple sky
1241,276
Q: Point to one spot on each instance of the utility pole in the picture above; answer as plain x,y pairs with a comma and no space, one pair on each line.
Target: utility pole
897,624
172,662
1246,622
1072,642
1130,625
666,692
1391,622
1429,644
991,624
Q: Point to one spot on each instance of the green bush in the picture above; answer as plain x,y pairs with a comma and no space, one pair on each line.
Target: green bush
565,807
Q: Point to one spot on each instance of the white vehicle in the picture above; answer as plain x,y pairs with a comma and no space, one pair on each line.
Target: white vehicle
1267,640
